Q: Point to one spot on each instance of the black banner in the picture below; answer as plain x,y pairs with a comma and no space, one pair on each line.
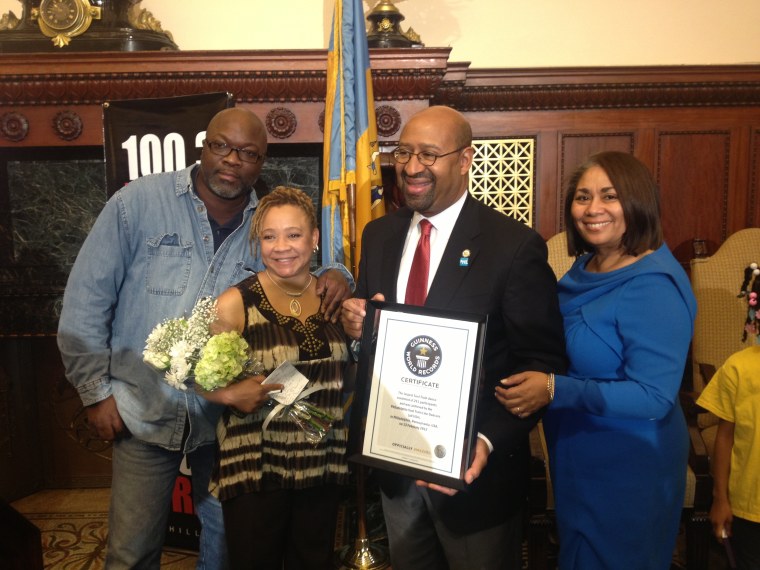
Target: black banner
147,136
184,528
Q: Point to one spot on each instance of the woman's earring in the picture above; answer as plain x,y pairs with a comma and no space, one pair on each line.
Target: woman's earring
316,248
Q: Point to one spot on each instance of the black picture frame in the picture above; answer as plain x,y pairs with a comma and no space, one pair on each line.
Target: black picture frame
412,415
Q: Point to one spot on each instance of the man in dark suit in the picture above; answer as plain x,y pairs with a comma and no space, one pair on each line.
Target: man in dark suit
480,261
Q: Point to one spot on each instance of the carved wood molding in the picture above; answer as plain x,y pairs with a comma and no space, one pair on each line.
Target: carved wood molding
602,96
276,76
34,91
601,88
92,89
295,76
14,126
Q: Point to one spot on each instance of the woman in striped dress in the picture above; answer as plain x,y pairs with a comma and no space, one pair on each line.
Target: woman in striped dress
280,492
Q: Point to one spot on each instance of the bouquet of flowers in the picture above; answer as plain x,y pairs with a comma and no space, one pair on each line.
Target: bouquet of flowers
185,348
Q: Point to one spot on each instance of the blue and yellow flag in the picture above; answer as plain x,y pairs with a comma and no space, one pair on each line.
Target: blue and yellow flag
351,149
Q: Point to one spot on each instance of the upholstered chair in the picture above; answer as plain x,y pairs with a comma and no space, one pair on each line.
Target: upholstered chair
716,281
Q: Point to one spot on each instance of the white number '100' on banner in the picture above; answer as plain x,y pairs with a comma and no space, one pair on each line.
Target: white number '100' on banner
151,156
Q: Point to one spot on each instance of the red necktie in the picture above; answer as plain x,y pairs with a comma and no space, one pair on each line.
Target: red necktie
416,287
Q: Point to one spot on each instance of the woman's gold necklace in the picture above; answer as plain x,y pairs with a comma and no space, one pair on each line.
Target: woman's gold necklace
295,306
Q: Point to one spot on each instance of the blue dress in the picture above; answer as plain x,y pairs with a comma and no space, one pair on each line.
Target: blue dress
617,437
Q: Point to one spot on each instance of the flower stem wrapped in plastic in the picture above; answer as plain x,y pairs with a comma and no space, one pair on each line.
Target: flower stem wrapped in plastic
292,403
314,421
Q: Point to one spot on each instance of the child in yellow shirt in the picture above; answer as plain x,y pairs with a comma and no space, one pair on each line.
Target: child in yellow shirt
733,394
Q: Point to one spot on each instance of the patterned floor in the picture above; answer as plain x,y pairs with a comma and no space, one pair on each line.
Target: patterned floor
74,526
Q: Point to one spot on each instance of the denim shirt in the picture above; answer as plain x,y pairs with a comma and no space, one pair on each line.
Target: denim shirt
149,257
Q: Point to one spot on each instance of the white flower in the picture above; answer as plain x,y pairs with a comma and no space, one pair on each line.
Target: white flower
156,359
174,381
182,355
175,344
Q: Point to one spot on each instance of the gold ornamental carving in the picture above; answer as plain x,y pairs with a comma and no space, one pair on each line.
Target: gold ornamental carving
385,29
142,19
9,21
62,20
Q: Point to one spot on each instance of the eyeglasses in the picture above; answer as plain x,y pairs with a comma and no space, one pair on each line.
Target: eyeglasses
426,158
223,149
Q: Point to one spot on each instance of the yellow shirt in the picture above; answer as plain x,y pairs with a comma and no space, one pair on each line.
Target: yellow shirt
733,394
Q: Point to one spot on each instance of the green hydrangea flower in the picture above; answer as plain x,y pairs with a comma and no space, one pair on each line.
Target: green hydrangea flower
223,360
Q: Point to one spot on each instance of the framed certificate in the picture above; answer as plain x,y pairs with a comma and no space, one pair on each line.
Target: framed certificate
416,391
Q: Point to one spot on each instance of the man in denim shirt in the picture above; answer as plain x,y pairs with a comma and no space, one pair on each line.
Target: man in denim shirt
160,244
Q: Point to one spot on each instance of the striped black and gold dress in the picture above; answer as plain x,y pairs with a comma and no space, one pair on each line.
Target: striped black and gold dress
282,458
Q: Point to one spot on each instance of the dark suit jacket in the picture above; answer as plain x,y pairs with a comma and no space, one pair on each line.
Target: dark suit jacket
508,278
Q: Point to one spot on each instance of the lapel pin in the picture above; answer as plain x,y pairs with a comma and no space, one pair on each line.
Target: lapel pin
464,261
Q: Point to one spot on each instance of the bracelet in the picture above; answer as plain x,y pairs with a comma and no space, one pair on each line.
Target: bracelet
550,385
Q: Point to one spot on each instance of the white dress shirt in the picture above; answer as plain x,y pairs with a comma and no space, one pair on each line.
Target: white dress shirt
443,225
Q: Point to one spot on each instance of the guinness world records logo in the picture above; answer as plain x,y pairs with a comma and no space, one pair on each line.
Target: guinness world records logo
422,356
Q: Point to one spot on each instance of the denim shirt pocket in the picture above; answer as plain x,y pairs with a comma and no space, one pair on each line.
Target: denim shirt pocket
168,268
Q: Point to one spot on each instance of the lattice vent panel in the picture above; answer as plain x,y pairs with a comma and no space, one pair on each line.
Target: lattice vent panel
502,176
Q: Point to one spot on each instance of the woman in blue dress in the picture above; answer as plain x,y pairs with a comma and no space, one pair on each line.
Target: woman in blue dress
617,437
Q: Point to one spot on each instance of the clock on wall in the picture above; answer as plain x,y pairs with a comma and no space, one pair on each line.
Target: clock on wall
82,25
62,20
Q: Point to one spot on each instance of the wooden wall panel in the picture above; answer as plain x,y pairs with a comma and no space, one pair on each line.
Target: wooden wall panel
576,147
565,137
20,459
72,456
693,175
753,202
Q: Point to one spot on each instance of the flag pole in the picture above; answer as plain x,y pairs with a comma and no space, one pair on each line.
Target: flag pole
363,555
351,199
350,165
